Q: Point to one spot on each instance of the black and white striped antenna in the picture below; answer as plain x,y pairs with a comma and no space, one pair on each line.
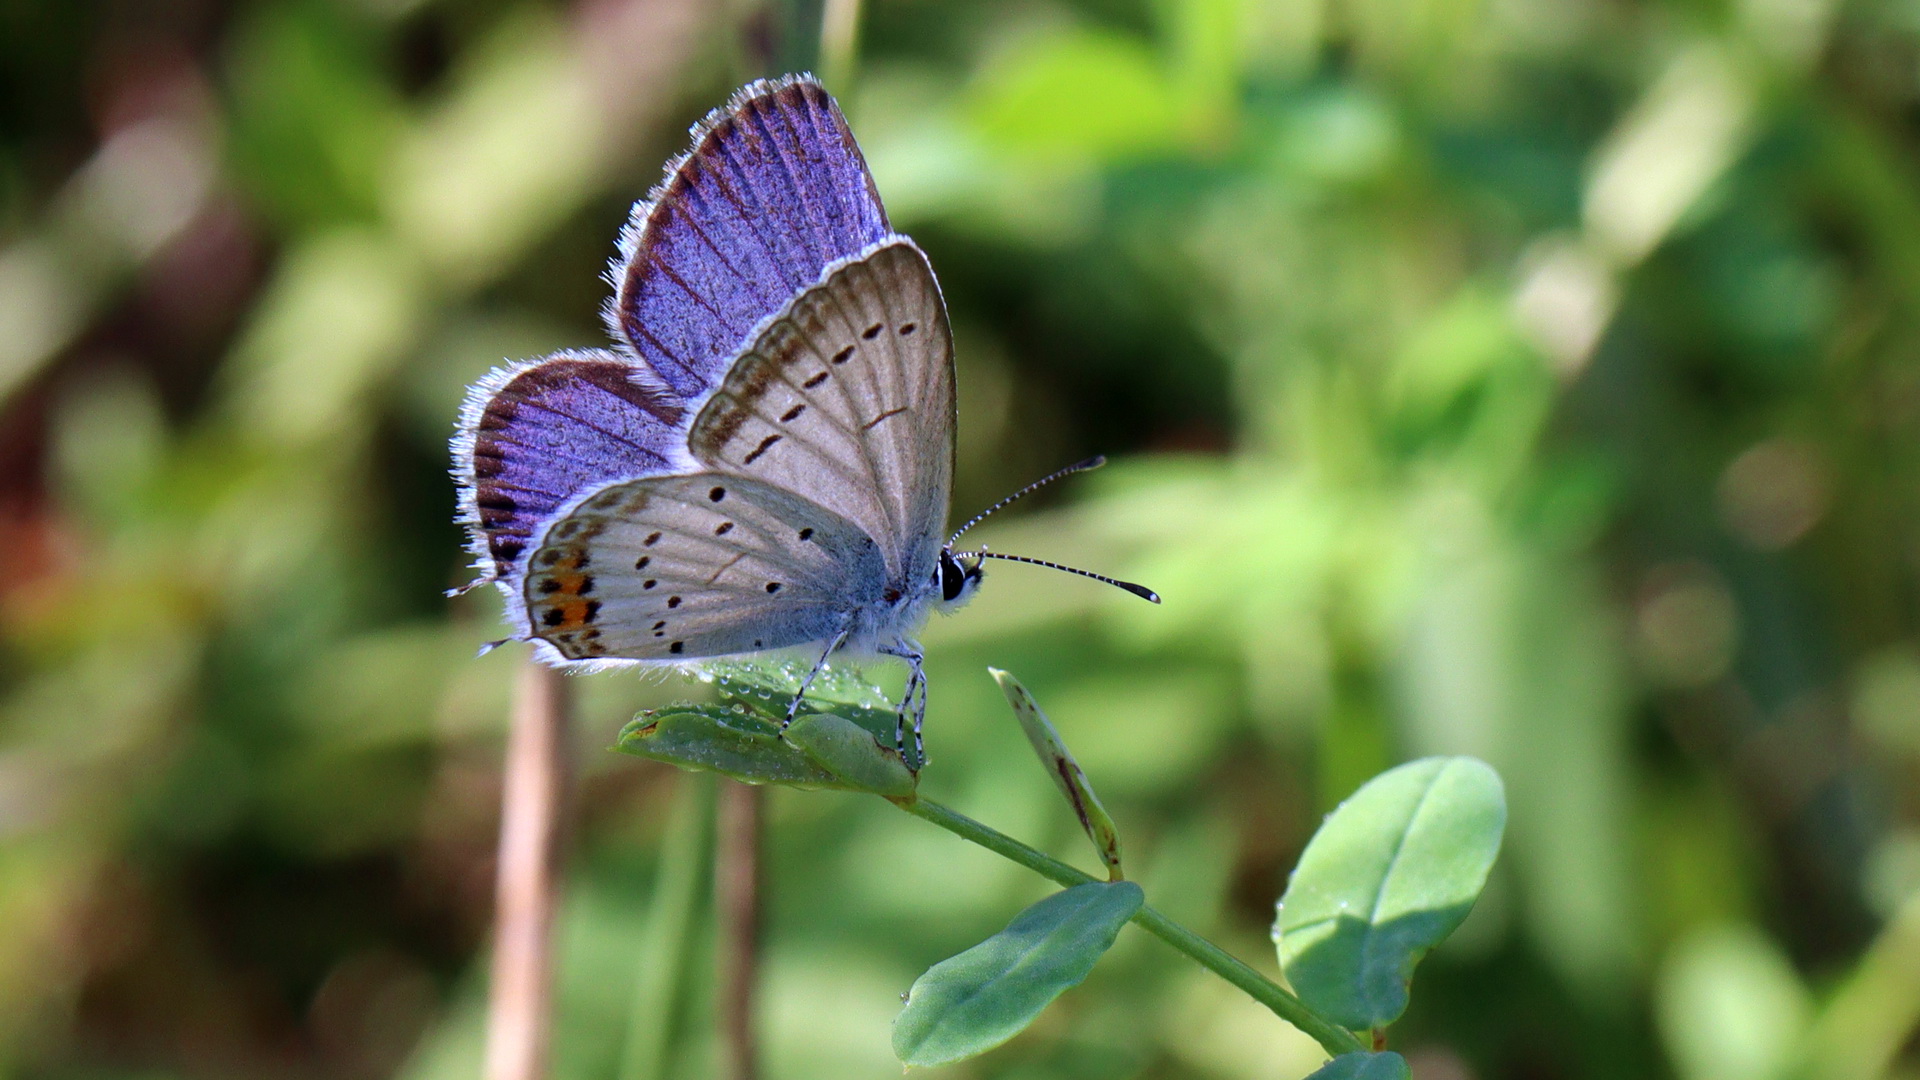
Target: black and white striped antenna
1088,465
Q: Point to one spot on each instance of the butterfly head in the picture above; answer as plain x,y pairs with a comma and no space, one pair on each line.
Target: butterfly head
958,576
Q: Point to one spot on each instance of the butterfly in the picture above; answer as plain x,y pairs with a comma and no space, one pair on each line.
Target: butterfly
763,459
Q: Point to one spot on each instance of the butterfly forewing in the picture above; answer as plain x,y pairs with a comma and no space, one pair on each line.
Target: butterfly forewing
847,399
773,191
708,564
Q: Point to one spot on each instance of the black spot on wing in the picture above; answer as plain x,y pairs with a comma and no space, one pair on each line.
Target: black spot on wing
765,445
888,415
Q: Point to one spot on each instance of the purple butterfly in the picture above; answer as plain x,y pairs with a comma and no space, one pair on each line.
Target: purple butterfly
764,458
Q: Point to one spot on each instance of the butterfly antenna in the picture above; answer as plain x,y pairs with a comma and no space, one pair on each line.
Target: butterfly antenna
1140,591
1091,463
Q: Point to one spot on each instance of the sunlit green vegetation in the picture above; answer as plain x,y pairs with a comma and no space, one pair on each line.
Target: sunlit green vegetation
1531,379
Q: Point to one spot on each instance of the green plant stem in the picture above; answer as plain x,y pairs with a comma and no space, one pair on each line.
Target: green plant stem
1335,1039
681,902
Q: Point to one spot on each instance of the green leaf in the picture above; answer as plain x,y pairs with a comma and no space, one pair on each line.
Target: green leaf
842,736
1381,1066
852,754
770,684
1066,772
973,1002
1387,877
767,687
729,740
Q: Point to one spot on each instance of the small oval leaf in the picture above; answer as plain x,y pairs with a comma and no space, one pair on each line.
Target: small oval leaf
717,738
1386,1065
767,687
970,1003
1066,772
1387,877
852,754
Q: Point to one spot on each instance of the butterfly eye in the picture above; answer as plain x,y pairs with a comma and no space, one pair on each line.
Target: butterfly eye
952,577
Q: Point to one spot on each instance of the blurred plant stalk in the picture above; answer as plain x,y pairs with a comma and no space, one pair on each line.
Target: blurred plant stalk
737,910
533,838
1691,126
676,912
142,190
1875,1010
839,44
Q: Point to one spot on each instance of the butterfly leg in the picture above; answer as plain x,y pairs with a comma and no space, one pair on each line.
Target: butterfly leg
914,702
793,707
915,682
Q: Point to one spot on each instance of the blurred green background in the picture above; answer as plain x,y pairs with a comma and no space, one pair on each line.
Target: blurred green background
1535,379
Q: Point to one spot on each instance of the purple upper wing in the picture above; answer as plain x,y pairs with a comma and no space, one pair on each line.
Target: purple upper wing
533,436
772,192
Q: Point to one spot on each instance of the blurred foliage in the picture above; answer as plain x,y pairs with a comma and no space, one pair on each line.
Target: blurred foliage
1537,381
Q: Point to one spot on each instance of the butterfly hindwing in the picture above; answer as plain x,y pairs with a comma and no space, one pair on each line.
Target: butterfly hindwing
534,436
707,564
773,191
847,398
